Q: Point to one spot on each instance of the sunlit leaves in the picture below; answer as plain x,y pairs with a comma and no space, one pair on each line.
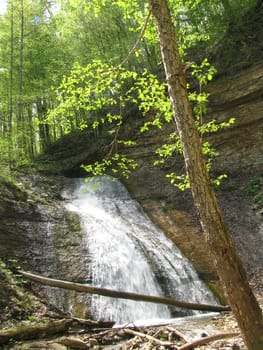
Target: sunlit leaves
180,181
131,9
214,126
127,143
88,89
118,165
93,6
99,87
203,73
152,99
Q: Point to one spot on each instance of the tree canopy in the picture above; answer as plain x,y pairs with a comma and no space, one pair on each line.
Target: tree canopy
42,43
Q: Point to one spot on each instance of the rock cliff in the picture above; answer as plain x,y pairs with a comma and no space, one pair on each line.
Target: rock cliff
240,156
37,231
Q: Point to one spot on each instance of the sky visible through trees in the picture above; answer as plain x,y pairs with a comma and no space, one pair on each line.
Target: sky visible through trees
3,5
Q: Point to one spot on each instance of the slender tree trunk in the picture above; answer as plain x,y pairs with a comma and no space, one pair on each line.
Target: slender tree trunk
30,139
230,270
44,132
20,119
21,61
11,66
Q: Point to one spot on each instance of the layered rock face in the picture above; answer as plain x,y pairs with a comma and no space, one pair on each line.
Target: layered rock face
239,96
240,156
38,232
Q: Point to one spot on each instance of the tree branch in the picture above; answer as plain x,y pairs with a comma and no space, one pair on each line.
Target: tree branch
135,46
149,337
206,340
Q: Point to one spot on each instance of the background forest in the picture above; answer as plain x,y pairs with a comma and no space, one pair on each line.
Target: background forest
47,47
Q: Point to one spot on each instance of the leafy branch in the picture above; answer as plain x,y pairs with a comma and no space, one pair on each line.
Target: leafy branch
101,93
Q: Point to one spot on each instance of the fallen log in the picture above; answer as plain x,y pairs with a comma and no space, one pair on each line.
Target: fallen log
84,288
44,330
34,331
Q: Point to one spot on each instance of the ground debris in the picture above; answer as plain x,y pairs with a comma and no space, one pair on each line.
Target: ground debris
206,333
133,338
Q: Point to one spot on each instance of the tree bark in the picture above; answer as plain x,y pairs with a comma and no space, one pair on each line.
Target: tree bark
230,270
123,295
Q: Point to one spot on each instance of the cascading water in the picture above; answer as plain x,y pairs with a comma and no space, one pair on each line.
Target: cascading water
129,253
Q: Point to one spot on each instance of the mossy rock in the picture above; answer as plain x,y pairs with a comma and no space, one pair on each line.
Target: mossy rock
10,190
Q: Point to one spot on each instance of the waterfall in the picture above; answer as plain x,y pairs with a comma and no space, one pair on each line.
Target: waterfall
129,253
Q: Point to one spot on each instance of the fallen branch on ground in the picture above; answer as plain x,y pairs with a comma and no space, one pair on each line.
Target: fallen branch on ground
123,295
177,333
71,342
206,340
149,337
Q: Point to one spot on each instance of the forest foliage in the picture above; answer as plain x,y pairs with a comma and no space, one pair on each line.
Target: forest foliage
61,70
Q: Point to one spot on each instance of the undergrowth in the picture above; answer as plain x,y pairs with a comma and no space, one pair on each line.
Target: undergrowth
254,189
17,302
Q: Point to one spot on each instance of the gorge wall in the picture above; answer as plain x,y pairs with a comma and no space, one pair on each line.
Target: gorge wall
240,157
43,237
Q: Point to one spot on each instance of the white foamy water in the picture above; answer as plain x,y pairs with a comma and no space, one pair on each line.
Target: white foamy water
129,253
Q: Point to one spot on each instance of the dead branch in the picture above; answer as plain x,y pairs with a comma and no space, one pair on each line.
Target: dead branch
206,340
75,343
135,46
150,338
176,332
123,295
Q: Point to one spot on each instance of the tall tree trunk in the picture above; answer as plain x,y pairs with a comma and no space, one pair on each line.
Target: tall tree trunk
10,102
20,121
230,270
30,139
44,132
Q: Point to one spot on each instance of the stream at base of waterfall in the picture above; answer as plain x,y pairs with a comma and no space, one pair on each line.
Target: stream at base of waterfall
129,253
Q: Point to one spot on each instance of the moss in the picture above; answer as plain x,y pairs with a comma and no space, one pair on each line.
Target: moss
218,291
11,190
254,189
